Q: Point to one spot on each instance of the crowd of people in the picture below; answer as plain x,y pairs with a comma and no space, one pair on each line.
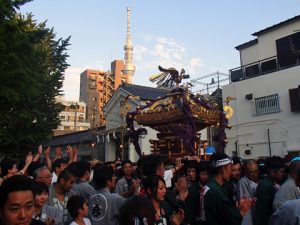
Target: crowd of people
221,191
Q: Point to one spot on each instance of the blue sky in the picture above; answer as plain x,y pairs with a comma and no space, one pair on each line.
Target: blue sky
197,35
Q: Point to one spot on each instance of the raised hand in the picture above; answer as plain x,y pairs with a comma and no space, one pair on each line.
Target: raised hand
75,153
178,163
69,150
40,150
29,158
75,150
48,159
38,154
47,151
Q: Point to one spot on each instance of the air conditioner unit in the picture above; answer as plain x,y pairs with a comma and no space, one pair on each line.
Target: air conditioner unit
247,152
249,96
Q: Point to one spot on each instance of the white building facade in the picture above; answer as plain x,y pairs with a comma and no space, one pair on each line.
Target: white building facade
266,89
73,117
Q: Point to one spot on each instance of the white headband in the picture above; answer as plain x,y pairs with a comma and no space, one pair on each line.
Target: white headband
221,162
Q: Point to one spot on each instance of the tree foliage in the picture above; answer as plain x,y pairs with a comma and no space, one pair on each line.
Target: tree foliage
32,65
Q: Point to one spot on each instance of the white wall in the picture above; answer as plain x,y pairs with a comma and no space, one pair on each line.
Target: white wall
249,55
114,120
266,46
250,130
267,41
110,152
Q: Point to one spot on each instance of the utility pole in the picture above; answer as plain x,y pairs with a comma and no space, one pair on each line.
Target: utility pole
93,116
75,107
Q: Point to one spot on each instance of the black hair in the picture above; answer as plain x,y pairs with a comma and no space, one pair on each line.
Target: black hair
79,168
102,174
84,166
137,208
262,168
151,184
15,184
139,170
7,164
124,162
57,163
75,203
74,168
66,174
203,166
107,163
274,163
150,164
237,160
40,187
97,165
190,164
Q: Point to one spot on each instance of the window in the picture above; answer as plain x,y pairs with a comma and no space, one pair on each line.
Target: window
252,71
93,84
100,78
266,105
67,127
287,48
269,66
288,44
236,75
93,76
295,99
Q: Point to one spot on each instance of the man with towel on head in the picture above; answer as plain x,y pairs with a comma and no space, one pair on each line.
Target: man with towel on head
219,209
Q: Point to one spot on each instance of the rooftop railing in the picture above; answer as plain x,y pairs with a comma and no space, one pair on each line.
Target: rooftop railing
265,66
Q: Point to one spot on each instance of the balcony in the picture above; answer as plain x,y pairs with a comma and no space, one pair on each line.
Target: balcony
265,66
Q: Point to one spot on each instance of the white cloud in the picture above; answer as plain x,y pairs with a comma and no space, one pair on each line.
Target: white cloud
139,51
146,37
195,63
166,52
162,40
150,52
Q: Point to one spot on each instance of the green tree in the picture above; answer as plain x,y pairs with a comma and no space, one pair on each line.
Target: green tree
32,65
